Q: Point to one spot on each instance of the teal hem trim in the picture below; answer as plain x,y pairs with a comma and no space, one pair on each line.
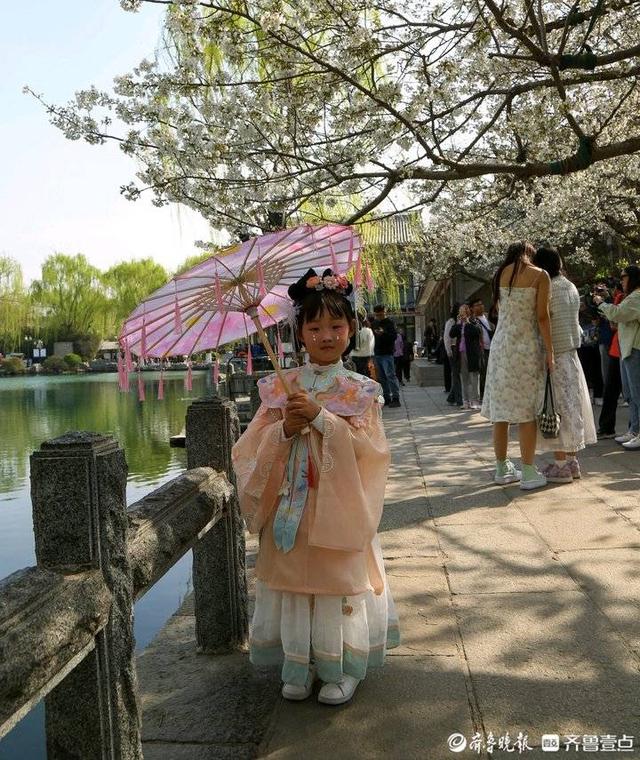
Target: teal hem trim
329,671
295,673
393,636
376,658
354,664
263,656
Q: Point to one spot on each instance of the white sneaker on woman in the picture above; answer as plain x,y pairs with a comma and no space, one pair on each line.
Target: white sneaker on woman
538,481
625,437
338,693
509,475
634,443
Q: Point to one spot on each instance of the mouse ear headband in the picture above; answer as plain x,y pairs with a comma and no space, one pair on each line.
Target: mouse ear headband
312,282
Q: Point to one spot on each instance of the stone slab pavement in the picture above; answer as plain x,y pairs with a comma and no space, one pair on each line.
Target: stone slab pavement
519,614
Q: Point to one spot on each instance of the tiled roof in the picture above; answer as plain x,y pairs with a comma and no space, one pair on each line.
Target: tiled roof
392,230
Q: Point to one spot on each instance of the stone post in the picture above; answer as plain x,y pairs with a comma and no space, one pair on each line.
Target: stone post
219,580
78,492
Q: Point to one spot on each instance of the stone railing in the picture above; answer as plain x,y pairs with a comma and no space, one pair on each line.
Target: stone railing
66,626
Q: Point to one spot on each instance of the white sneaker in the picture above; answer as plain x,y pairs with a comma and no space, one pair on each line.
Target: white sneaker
338,693
625,437
634,443
511,475
298,693
538,481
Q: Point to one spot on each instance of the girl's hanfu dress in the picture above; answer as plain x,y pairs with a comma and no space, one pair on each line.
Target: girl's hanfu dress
316,500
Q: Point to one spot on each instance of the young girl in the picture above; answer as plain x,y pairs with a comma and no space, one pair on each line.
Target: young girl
311,471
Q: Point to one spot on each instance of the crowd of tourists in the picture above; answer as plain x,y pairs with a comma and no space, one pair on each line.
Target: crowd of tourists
384,353
541,333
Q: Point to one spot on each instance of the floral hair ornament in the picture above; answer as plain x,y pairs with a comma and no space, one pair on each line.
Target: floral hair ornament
311,282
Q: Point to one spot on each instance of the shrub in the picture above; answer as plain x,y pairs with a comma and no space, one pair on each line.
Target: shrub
73,361
54,364
86,346
12,366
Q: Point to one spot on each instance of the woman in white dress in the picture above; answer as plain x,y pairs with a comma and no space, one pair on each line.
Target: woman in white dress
520,349
570,391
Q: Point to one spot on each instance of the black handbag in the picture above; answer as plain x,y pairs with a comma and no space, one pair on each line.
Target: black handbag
548,419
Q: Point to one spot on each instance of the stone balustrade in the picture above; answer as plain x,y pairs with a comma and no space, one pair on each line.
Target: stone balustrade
66,626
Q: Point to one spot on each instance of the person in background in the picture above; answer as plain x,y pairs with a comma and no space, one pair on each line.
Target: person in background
516,371
467,333
402,357
398,355
443,358
478,311
589,351
384,332
362,354
409,356
627,316
430,339
605,334
455,394
613,380
570,391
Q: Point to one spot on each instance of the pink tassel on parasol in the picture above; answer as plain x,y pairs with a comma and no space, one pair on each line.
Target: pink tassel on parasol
357,280
188,380
371,286
128,361
161,386
141,393
122,375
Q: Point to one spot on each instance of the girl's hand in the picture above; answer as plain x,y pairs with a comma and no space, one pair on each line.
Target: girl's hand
597,300
301,404
293,425
550,361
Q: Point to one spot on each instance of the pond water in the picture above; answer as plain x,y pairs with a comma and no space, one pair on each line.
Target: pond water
35,409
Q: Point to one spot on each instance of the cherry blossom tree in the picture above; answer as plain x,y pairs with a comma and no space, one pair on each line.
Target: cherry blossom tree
576,213
258,107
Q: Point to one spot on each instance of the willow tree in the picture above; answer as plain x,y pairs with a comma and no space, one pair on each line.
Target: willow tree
71,295
126,285
268,104
16,316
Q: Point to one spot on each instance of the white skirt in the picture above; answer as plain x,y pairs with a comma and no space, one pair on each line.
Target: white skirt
572,403
339,634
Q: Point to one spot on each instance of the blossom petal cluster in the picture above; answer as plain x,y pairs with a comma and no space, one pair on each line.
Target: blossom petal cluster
272,109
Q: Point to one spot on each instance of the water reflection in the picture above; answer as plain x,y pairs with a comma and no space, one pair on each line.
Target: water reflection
35,409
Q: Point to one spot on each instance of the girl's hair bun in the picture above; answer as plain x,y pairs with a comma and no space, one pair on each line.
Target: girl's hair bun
311,282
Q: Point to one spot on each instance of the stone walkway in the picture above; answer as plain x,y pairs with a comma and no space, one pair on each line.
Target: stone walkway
519,613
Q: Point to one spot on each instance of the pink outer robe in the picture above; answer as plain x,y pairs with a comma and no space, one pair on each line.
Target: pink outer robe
333,552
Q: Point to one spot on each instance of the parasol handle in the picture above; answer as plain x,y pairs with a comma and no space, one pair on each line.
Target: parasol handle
253,313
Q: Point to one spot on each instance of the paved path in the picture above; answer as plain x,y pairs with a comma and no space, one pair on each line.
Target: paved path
519,613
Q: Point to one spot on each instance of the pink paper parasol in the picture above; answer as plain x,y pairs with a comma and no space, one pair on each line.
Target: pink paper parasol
237,292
